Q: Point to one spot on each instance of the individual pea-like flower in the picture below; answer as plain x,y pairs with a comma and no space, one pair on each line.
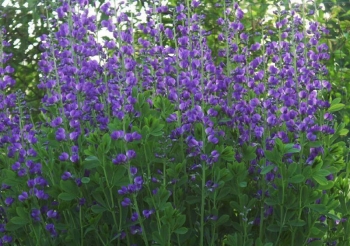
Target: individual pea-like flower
9,201
6,239
120,159
126,202
35,214
51,229
147,213
63,156
133,170
52,214
135,229
130,154
56,122
117,135
23,196
211,185
74,158
134,217
123,190
16,166
66,176
60,134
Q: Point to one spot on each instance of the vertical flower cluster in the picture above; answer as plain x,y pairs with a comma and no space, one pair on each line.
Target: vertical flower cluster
17,141
286,77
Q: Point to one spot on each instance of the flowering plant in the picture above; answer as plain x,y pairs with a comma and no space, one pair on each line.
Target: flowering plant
146,138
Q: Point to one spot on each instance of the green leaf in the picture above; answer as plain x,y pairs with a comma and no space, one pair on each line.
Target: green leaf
20,221
156,129
12,227
336,107
70,187
222,220
91,162
22,212
85,180
97,209
292,150
316,243
314,144
297,222
336,101
243,184
274,228
296,179
320,208
106,142
319,176
270,156
181,230
333,216
228,154
343,132
270,201
248,152
223,193
97,196
66,196
192,199
266,169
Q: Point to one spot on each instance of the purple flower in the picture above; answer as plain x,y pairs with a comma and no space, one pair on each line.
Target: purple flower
126,202
123,190
147,213
35,214
63,156
56,122
51,228
23,196
134,217
16,166
52,214
117,135
60,134
66,176
120,159
6,239
136,229
9,201
130,154
74,158
133,170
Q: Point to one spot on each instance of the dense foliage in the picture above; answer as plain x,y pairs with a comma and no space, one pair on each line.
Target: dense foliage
152,136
